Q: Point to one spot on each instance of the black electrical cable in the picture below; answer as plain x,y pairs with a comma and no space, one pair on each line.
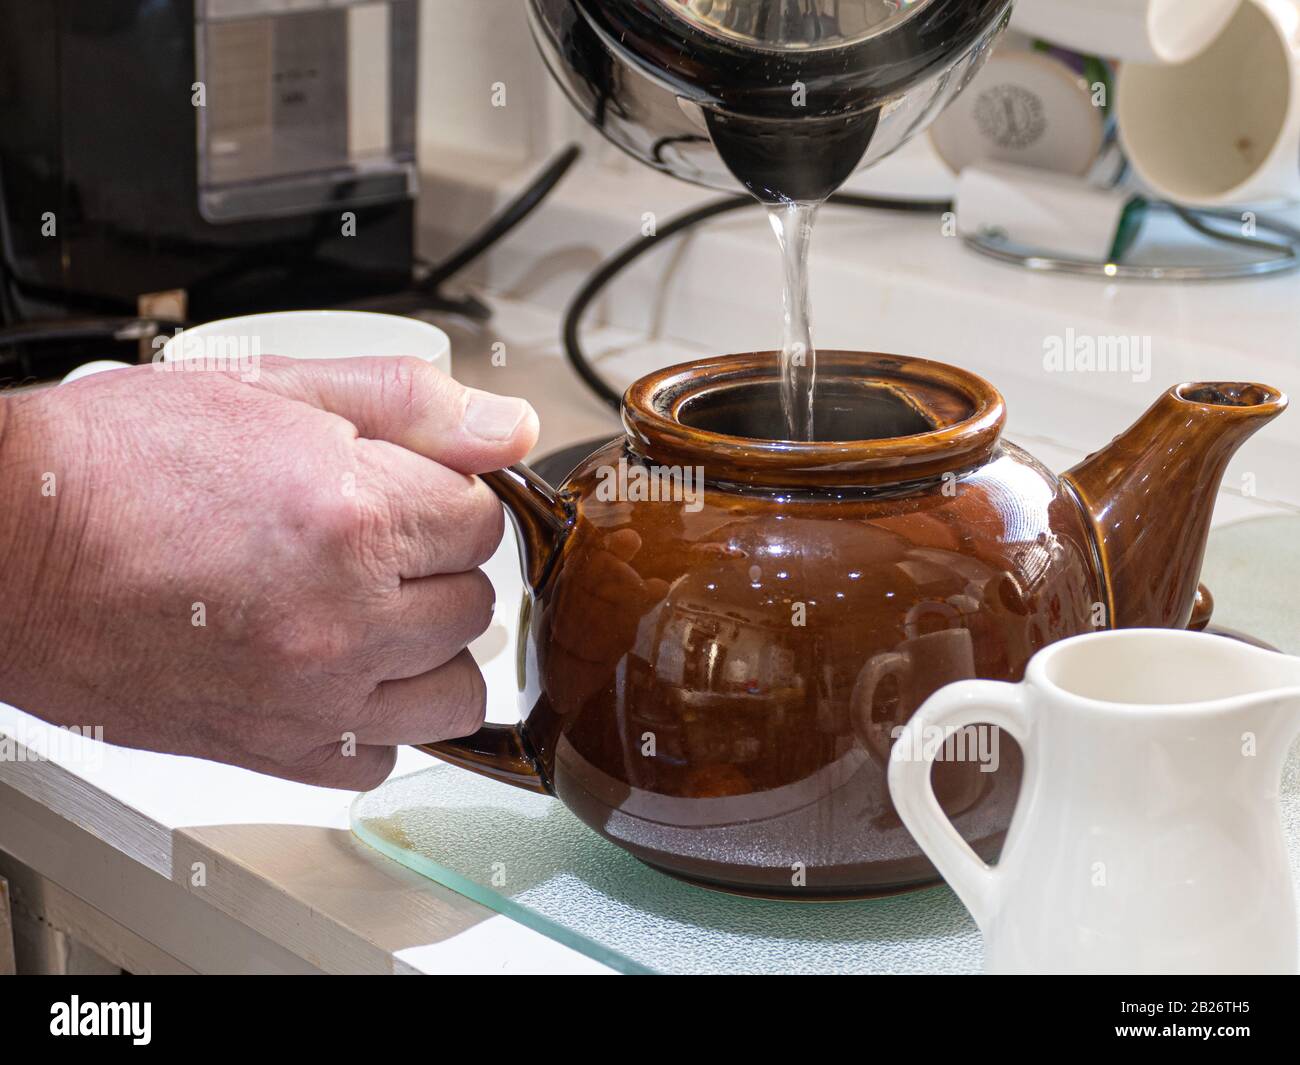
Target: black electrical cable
515,212
65,330
613,267
424,293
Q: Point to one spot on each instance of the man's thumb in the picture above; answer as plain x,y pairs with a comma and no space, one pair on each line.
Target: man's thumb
407,402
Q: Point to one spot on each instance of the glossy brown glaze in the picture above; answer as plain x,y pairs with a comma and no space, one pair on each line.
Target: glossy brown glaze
714,685
1150,494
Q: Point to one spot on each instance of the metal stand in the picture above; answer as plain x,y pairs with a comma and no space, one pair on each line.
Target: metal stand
1283,256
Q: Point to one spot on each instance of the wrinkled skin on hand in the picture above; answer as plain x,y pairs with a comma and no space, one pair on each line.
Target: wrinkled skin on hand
279,573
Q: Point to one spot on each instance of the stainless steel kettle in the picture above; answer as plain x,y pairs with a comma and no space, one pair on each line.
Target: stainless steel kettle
785,98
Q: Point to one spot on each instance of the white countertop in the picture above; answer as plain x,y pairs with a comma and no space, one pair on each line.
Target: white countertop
286,886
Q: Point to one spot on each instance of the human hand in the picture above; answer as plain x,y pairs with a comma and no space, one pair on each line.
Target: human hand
279,574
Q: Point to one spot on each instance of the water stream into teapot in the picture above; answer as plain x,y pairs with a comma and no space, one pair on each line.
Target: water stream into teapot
793,224
792,163
786,97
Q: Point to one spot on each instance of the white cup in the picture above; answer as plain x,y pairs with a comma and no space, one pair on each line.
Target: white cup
1224,127
1138,31
1026,108
237,344
312,335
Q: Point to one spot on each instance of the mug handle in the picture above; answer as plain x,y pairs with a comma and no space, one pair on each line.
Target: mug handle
968,702
863,697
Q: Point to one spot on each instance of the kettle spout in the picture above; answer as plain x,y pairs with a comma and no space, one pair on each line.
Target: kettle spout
1150,494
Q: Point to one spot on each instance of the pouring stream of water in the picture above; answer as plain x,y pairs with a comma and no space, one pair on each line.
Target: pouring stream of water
793,222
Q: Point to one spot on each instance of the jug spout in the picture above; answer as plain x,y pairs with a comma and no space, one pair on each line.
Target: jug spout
1279,714
1266,684
1150,495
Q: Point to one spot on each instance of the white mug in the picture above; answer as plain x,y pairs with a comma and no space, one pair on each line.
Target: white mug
1139,31
1025,107
1147,835
1222,128
237,344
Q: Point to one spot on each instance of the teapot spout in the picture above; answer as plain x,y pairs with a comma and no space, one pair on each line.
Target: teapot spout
1150,495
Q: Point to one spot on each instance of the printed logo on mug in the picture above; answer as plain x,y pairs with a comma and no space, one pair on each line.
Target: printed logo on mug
1031,106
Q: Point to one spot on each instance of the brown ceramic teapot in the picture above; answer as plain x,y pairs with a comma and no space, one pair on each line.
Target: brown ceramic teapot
723,632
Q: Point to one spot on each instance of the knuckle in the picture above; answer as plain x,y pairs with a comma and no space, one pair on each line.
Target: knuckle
345,518
399,386
309,645
316,758
467,707
367,768
472,520
482,601
487,525
356,526
327,766
319,764
409,386
462,522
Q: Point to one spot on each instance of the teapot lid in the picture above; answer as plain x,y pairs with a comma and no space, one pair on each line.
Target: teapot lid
795,25
940,419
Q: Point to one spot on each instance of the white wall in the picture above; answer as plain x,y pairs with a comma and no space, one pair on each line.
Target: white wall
466,46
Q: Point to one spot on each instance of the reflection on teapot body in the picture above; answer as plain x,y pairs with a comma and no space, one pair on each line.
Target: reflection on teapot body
714,687
893,683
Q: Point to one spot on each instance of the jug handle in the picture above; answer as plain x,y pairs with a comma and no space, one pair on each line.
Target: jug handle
968,702
542,521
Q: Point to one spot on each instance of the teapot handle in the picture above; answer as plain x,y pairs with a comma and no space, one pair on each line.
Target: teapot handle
542,520
1202,609
497,751
968,702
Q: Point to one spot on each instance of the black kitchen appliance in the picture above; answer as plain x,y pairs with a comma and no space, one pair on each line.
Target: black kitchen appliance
191,159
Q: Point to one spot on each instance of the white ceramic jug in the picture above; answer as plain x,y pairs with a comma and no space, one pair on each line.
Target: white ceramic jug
1147,836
